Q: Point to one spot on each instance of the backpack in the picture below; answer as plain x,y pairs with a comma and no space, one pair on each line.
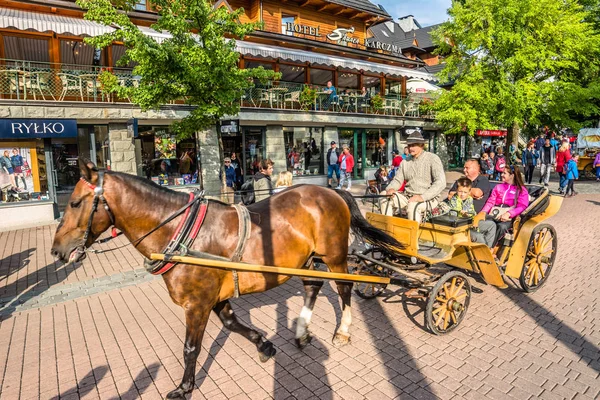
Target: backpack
500,163
247,191
391,174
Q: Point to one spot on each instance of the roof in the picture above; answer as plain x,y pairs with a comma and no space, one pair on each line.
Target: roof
433,69
362,5
392,32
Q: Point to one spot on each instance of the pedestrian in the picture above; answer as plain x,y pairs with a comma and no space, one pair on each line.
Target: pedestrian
283,181
239,172
381,177
396,158
529,160
597,165
499,163
263,187
333,166
540,142
562,158
547,160
486,165
307,156
229,173
406,155
572,175
346,162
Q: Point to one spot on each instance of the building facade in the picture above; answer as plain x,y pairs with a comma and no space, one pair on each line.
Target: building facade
53,109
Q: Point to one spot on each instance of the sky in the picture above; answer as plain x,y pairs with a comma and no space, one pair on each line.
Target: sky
427,12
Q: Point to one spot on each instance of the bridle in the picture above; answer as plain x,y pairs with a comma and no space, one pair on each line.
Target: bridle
98,190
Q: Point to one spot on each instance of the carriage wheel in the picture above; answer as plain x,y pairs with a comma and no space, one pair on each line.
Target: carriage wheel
448,302
539,259
589,172
370,191
370,290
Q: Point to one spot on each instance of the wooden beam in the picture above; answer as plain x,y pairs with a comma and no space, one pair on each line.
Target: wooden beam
357,14
307,2
243,267
343,10
325,7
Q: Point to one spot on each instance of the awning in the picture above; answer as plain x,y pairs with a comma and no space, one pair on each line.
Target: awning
38,22
420,86
261,50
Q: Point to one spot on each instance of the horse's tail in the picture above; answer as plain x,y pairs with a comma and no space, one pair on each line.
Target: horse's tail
361,227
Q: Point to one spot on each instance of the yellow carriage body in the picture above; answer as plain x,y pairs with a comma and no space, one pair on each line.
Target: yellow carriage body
433,243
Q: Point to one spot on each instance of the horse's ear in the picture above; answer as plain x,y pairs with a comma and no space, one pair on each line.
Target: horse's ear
88,170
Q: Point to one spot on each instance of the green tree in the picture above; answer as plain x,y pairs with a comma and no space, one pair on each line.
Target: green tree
197,64
516,63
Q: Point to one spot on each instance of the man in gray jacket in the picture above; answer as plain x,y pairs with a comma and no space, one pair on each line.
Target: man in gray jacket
425,181
547,160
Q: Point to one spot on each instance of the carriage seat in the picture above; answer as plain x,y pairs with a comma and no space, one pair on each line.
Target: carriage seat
452,221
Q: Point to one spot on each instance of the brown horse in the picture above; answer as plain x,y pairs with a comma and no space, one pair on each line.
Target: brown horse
287,230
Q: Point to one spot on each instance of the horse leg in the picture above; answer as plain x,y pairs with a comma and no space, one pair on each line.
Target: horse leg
311,291
196,318
225,312
342,335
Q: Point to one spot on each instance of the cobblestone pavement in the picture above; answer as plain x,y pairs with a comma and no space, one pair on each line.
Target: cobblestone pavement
106,329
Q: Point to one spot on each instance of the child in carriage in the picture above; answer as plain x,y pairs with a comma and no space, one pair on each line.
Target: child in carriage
461,204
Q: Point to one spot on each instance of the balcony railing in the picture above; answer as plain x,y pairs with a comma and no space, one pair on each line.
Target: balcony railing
27,80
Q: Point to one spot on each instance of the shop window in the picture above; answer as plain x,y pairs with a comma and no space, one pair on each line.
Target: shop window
304,150
26,48
254,149
292,73
285,20
23,175
78,53
393,88
376,147
166,160
320,76
140,5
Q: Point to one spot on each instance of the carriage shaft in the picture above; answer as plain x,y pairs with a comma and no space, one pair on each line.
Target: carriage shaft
243,267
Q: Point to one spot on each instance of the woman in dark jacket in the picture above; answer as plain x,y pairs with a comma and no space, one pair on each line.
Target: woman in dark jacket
263,187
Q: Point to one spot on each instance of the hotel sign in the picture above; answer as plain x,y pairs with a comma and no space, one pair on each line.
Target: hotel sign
302,29
372,43
341,35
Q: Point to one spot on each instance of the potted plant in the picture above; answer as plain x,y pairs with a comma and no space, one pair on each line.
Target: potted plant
425,107
307,98
377,103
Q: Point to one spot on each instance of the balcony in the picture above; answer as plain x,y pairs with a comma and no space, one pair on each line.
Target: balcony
47,82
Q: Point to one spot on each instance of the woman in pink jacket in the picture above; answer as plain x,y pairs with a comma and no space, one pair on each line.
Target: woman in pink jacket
508,200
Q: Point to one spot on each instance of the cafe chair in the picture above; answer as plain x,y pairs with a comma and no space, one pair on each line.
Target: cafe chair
70,83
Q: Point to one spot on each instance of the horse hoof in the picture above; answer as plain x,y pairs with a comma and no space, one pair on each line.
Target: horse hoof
340,339
176,394
303,341
266,351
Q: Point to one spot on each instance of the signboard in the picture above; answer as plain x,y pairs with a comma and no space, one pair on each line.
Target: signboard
230,127
490,132
340,35
37,128
372,43
302,29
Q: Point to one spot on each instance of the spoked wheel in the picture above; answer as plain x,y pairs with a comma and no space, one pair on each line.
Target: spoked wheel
448,302
371,191
370,290
539,260
589,172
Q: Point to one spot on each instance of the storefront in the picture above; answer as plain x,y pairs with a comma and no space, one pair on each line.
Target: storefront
38,160
304,150
369,147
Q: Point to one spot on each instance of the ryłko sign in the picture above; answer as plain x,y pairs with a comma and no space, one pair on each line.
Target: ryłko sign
37,128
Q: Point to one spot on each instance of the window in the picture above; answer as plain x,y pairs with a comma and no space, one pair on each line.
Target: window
320,76
292,73
393,87
26,178
376,147
286,21
26,48
347,80
166,160
373,84
254,149
77,52
140,5
304,150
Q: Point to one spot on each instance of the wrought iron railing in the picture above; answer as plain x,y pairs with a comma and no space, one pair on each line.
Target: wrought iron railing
29,80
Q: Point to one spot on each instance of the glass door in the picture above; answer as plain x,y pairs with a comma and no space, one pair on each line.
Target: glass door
65,169
254,149
354,139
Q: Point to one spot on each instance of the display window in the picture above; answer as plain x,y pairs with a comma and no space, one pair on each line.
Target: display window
304,150
254,149
23,174
165,160
376,148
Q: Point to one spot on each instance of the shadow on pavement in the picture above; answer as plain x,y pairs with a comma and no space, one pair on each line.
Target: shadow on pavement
596,203
140,383
13,263
87,383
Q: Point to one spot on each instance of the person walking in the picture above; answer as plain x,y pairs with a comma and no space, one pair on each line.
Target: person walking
333,155
263,187
529,160
499,163
562,158
597,165
239,172
229,173
346,162
572,175
547,160
487,167
284,181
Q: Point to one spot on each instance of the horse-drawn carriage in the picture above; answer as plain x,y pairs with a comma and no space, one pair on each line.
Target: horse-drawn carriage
209,252
439,254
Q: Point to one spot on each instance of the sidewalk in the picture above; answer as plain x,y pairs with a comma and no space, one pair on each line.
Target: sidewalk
106,329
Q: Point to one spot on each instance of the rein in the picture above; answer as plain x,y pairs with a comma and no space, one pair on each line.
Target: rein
196,198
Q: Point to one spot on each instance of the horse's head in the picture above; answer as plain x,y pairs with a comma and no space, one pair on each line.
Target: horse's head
85,217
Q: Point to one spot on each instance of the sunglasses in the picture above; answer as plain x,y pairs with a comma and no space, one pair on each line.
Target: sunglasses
227,162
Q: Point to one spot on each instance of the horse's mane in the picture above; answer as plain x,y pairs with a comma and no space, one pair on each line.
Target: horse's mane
148,187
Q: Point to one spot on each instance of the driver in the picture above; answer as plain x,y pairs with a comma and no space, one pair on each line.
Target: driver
425,181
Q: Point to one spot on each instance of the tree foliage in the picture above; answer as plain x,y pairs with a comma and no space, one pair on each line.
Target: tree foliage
517,62
197,64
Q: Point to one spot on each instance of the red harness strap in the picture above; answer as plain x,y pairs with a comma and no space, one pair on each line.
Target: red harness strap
196,228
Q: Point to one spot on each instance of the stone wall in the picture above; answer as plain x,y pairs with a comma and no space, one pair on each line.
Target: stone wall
122,149
275,149
330,133
210,165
